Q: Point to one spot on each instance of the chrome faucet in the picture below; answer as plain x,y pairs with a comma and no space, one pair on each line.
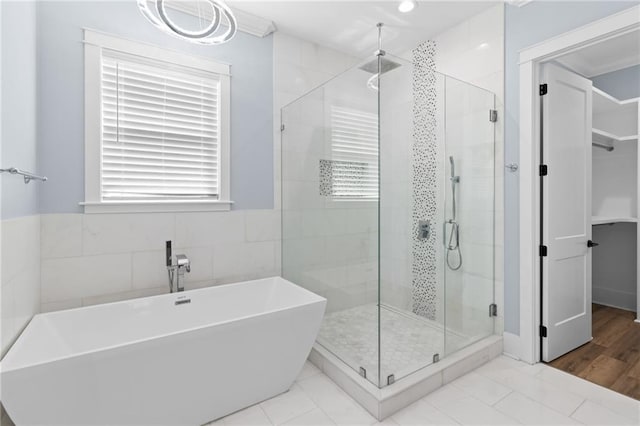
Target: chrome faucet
181,266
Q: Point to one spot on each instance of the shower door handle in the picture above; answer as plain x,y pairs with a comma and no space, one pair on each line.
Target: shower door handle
592,244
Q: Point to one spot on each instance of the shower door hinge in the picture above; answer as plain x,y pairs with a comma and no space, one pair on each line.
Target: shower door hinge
544,170
493,115
282,127
493,310
543,331
363,372
543,89
543,251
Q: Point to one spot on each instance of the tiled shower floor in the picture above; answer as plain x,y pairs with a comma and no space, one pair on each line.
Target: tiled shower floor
408,341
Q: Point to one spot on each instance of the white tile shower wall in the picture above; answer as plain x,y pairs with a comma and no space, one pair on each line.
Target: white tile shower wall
90,259
20,276
473,51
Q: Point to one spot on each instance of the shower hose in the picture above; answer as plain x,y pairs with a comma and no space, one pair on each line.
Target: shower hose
454,246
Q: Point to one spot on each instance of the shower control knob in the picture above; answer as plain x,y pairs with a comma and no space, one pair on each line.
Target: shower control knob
591,244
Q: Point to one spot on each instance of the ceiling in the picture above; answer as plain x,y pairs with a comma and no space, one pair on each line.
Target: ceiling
607,56
350,26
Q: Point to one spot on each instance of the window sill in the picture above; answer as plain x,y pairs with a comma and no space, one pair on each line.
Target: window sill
350,204
155,206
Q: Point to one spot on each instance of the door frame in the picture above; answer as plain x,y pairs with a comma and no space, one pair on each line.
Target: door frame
526,346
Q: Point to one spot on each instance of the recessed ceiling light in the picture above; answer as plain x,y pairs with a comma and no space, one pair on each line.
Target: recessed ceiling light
406,6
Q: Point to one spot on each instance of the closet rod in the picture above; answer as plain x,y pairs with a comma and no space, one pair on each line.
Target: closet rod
603,146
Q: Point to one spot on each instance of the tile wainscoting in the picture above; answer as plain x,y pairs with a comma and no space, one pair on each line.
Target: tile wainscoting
101,258
20,276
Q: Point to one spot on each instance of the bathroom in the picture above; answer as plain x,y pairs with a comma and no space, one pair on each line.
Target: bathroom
366,175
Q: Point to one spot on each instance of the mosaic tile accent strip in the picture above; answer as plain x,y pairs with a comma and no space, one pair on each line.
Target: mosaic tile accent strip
408,341
424,179
330,169
326,171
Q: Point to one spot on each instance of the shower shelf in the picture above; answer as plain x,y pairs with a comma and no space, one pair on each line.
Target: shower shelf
603,220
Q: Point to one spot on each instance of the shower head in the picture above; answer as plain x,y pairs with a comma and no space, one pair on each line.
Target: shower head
371,67
386,65
454,178
379,65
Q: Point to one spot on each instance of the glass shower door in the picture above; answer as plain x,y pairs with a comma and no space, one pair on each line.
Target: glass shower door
468,239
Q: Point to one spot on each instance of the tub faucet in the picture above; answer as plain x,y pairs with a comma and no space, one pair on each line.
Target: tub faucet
181,266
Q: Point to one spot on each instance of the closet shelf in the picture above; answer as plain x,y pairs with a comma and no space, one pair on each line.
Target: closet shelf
600,136
604,102
603,220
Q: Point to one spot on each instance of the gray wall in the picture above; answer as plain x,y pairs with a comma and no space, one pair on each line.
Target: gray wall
622,84
525,26
615,265
18,108
60,78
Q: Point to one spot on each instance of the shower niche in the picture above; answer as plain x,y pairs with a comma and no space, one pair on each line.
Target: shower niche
388,212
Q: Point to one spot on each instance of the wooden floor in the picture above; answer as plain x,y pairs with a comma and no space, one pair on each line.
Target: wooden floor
612,358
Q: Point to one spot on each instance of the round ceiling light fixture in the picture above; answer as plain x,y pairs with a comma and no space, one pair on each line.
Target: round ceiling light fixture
156,12
407,6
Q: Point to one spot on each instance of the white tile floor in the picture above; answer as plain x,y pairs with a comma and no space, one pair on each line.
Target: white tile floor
503,391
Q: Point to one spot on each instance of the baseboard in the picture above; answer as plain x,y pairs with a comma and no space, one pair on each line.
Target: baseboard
614,298
513,346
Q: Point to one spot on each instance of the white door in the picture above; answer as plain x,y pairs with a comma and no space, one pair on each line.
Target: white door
566,214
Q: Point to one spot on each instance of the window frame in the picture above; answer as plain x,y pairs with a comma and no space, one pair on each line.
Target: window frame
94,43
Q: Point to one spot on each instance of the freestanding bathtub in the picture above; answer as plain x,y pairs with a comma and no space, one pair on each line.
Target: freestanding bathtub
182,358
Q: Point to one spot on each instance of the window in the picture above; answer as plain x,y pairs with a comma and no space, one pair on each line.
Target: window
354,154
157,125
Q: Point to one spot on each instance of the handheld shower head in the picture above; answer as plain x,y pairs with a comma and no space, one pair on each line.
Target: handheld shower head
454,236
454,178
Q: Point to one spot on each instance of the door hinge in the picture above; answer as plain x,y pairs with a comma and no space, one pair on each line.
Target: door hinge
543,251
493,310
543,331
493,115
544,170
282,127
543,89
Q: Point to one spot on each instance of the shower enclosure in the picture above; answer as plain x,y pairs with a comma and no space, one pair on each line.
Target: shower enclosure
388,212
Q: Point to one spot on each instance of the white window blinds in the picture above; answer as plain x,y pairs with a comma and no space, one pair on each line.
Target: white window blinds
160,130
354,154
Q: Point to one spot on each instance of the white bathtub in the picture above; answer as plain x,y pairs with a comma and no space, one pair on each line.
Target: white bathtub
151,361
